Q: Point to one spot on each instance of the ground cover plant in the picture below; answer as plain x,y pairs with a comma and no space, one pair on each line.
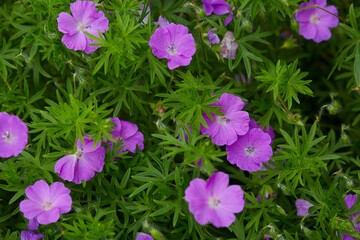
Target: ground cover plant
179,119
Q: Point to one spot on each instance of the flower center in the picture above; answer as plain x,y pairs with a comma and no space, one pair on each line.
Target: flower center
171,49
79,154
82,27
47,205
222,119
314,18
250,150
213,202
8,137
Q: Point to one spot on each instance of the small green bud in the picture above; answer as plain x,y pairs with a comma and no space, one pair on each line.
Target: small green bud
201,13
156,234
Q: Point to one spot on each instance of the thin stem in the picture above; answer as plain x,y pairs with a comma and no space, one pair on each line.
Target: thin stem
6,83
282,103
62,230
171,79
24,5
315,6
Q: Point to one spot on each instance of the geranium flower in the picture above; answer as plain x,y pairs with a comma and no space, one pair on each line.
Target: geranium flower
162,21
33,224
214,201
218,7
129,134
13,135
302,207
251,150
46,203
85,19
83,164
213,37
143,236
27,235
315,23
350,200
229,46
266,129
226,129
174,43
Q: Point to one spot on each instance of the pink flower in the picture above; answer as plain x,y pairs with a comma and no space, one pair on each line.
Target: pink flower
46,203
213,37
162,21
13,135
229,46
226,129
83,164
266,129
85,19
27,235
302,207
251,150
218,7
214,201
174,43
314,22
33,224
129,134
350,200
143,236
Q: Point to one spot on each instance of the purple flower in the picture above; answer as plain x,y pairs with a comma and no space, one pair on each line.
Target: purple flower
250,150
33,224
85,19
350,200
83,164
314,22
225,129
302,207
162,21
129,134
174,43
258,197
13,135
143,236
269,130
229,46
27,235
218,7
214,201
213,37
46,203
144,21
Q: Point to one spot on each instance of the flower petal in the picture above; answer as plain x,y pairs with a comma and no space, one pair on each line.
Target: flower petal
307,30
75,42
67,24
30,208
38,192
65,166
49,216
217,184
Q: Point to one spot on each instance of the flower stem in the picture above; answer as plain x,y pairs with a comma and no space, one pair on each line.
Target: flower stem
24,5
62,230
282,103
7,84
315,6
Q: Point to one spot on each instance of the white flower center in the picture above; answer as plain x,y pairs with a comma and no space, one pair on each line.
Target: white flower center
213,202
82,27
171,49
47,205
8,137
314,18
250,150
79,154
222,119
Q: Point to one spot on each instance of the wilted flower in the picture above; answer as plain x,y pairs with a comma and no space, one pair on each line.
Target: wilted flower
302,207
226,129
174,43
83,164
229,46
162,21
27,235
213,37
214,201
46,203
85,19
250,150
13,135
143,236
314,22
218,7
128,133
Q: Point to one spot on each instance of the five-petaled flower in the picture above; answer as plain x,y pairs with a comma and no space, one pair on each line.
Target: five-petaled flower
85,19
314,22
13,135
46,202
218,7
214,201
174,43
250,150
83,164
226,129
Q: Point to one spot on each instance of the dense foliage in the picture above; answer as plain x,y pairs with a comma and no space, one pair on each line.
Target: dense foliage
307,91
